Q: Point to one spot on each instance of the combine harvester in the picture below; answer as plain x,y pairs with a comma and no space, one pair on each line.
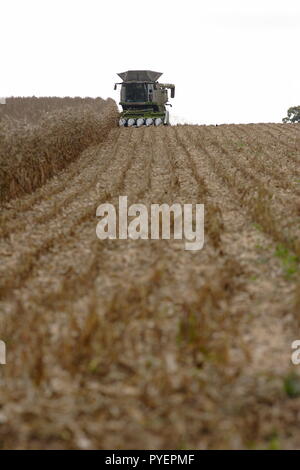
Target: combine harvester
143,99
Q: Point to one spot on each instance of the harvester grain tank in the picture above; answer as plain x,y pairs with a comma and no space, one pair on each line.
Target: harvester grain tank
144,99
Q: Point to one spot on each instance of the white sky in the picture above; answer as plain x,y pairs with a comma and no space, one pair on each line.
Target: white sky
231,60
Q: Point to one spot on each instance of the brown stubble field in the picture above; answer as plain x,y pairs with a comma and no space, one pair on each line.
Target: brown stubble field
140,344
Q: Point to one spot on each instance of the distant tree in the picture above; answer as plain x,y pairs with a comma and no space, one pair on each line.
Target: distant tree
293,115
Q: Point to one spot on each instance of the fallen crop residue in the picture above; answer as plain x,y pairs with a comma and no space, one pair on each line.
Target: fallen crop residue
140,344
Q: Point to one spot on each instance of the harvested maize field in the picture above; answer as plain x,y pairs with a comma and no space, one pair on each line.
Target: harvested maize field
140,343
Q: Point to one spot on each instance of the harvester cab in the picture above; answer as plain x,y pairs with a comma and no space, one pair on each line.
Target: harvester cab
143,99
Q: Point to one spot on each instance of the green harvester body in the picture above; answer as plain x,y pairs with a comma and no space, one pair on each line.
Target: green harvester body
143,99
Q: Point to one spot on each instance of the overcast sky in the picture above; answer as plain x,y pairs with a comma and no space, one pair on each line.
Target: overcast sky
232,61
